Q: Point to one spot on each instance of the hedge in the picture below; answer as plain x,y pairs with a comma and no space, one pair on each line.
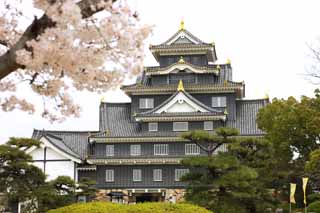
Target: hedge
314,207
107,207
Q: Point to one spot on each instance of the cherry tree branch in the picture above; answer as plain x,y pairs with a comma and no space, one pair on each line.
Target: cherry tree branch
8,61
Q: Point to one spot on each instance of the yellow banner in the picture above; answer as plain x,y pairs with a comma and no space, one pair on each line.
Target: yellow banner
292,192
304,187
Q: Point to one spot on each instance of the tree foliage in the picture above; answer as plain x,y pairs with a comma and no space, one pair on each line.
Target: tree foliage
233,181
211,142
56,47
18,178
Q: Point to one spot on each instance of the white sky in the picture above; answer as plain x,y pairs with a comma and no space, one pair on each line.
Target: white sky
265,40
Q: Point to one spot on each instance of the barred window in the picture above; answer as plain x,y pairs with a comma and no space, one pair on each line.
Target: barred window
135,149
192,149
109,150
222,148
208,125
146,103
109,175
161,149
153,127
180,126
136,175
157,175
219,101
179,173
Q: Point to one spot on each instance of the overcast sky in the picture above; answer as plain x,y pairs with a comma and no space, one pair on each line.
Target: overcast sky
265,40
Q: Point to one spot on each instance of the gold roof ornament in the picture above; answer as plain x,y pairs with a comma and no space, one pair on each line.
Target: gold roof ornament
228,61
102,99
180,86
225,83
218,67
181,60
182,25
225,112
266,96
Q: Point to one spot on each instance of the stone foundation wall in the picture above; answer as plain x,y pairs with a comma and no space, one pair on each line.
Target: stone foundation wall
171,195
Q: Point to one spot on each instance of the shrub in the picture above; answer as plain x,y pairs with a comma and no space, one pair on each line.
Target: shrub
107,207
314,207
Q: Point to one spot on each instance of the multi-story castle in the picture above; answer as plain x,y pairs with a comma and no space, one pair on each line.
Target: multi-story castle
135,155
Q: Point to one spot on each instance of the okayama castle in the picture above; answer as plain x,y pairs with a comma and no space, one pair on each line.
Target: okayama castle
135,155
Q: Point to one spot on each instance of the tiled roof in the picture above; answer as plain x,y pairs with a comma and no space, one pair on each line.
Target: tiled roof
58,143
187,33
209,88
115,120
76,141
246,116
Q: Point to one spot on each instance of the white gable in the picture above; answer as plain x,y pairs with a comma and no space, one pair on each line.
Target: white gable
181,103
182,36
52,151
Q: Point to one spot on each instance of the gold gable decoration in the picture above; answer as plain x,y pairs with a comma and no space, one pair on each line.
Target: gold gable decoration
181,60
182,25
228,61
180,86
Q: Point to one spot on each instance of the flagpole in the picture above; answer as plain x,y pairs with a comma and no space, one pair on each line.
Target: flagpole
290,207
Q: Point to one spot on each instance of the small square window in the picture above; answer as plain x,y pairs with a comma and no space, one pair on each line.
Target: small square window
157,175
136,175
179,173
208,125
219,101
180,126
192,149
135,150
161,149
109,150
109,175
153,127
146,103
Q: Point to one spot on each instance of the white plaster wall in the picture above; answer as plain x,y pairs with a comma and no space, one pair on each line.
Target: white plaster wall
53,155
55,169
181,107
38,164
37,154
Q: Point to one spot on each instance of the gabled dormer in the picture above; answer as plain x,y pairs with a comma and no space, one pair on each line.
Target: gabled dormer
181,106
185,44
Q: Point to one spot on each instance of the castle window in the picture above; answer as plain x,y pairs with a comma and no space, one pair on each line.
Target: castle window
179,173
208,125
109,150
219,101
161,149
146,103
157,175
180,126
135,150
153,127
109,175
191,149
136,175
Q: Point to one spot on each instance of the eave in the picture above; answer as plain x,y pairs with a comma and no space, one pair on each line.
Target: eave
136,139
136,161
163,118
169,89
182,66
184,49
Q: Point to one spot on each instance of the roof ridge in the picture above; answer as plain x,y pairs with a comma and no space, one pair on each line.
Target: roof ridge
66,131
255,99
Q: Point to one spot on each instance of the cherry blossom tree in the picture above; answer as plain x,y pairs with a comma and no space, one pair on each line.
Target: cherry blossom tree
66,45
